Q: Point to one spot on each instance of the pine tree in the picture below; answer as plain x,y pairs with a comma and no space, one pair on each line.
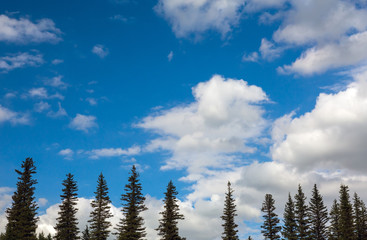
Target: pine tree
85,234
271,221
22,220
168,229
131,227
249,238
99,223
346,214
318,216
301,210
359,215
289,220
49,237
229,213
334,232
66,227
41,236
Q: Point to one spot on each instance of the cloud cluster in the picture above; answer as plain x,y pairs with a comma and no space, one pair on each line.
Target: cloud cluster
20,60
225,115
7,115
24,31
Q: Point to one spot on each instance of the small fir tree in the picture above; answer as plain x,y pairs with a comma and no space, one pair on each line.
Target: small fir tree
229,214
301,210
22,220
346,214
131,227
360,220
85,234
318,216
270,228
99,223
41,236
168,229
289,219
334,232
66,226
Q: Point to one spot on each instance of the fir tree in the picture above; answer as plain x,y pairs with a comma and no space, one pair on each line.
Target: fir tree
168,229
301,210
229,213
271,221
49,236
346,214
66,227
249,238
359,215
22,220
41,236
131,227
289,219
334,232
318,216
85,234
99,223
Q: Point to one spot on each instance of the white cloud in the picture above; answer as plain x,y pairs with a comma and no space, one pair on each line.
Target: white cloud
56,82
57,61
114,152
83,122
331,136
349,51
61,112
7,115
91,101
42,202
224,116
24,31
252,57
10,95
170,56
20,60
100,50
268,50
41,93
67,153
41,106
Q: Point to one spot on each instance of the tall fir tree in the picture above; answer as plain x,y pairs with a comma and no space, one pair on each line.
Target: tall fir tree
360,218
22,220
66,226
346,214
301,211
99,224
318,216
168,229
229,214
289,231
85,234
334,232
270,228
131,227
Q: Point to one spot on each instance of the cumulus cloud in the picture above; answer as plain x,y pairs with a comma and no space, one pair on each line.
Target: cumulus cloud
56,82
24,31
61,112
41,106
67,153
349,51
114,152
7,115
42,93
100,50
331,136
20,60
83,122
226,114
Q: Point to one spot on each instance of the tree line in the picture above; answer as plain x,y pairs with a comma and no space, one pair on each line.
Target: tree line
302,221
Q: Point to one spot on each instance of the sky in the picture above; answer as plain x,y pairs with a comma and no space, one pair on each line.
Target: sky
267,94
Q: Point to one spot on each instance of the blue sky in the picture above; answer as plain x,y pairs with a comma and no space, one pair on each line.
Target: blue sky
264,93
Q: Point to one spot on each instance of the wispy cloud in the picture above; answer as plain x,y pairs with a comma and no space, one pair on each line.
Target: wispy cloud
170,56
100,50
56,82
67,153
7,115
20,60
25,31
42,93
114,152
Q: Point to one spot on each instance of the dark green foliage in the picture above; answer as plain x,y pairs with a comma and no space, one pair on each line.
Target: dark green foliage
49,237
229,213
289,219
360,218
301,211
168,229
318,216
66,227
270,228
131,227
346,214
249,238
99,223
42,236
85,234
334,232
2,236
22,220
